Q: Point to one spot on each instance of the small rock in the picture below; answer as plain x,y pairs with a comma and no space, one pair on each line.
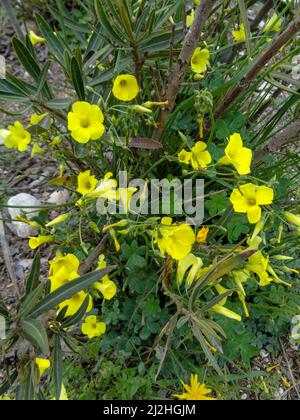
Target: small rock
244,397
23,200
264,354
59,197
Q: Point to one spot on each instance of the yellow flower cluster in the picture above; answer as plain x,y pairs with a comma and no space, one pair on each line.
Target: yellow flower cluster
64,269
198,157
174,240
90,188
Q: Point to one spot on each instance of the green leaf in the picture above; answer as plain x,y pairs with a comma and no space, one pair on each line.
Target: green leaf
26,59
34,331
34,277
216,204
42,81
54,44
28,393
198,335
9,382
30,301
77,79
57,366
59,103
3,309
78,316
68,290
106,23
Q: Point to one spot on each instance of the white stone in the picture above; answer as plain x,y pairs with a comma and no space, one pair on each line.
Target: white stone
264,354
23,200
59,197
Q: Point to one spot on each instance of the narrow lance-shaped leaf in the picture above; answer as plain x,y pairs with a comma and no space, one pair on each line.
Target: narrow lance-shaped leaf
34,276
77,79
34,331
68,290
26,59
57,366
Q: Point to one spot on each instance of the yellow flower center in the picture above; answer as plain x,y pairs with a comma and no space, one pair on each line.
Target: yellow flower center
252,202
85,123
123,83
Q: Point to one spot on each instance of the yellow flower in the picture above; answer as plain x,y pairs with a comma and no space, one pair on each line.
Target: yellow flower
19,138
248,199
60,219
220,307
106,287
202,235
35,39
85,122
237,155
36,119
86,183
105,189
5,398
239,35
91,328
200,60
195,391
191,264
125,196
4,135
62,270
185,157
125,88
292,218
274,24
34,243
75,302
190,18
37,150
174,240
42,365
115,239
259,265
200,156
150,104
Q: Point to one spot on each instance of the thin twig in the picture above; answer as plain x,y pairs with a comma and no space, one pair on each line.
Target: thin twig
189,45
7,258
290,369
274,48
88,263
288,135
261,14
